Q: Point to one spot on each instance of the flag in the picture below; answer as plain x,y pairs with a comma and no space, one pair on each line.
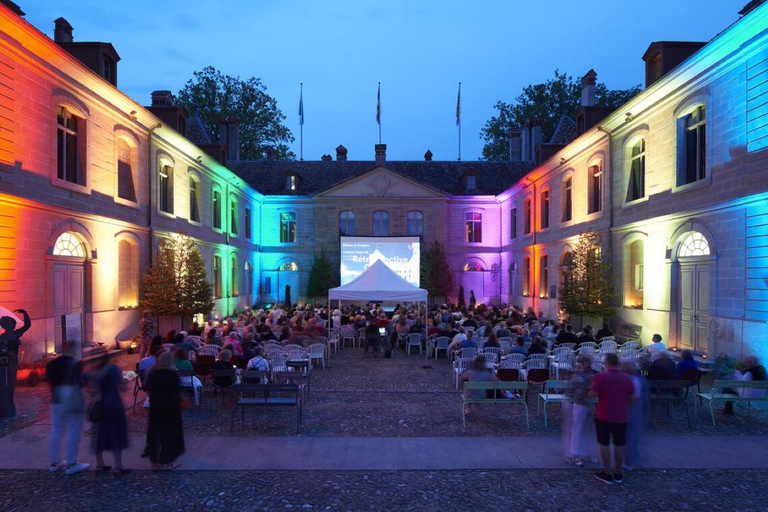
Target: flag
378,105
458,107
301,106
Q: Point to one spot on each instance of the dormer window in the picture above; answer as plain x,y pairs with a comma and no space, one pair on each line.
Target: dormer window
471,182
290,182
109,69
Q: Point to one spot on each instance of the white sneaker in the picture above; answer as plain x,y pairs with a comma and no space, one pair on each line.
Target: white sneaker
56,466
77,467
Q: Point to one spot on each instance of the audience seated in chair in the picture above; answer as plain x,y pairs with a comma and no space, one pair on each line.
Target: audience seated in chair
687,362
663,368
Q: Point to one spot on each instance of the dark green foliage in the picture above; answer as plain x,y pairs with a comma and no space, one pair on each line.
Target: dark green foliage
321,276
587,288
436,274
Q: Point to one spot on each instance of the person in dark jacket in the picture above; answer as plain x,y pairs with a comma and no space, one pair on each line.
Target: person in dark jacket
111,427
165,434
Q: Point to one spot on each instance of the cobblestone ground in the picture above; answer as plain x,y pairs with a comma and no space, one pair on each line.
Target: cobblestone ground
402,396
549,490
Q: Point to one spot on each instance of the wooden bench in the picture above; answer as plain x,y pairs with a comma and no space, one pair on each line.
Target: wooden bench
628,332
268,394
670,391
516,388
554,393
718,394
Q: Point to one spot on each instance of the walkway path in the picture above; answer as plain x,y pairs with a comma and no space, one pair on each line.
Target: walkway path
28,449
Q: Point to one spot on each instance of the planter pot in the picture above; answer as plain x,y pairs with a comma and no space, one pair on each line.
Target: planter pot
124,344
30,375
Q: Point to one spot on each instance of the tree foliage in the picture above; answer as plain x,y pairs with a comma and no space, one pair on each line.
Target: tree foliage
587,288
436,274
321,276
213,95
547,101
176,284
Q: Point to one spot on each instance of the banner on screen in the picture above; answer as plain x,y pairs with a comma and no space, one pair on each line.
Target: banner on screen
401,254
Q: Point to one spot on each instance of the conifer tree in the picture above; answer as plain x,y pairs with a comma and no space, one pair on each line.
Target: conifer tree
321,276
587,288
436,274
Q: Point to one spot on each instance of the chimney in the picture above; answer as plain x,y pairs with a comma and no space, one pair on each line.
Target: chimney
326,158
537,135
515,145
15,9
222,130
588,89
526,142
381,154
162,99
270,154
62,31
233,139
341,153
428,156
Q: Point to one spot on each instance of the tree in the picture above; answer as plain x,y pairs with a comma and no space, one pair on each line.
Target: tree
176,283
213,95
547,101
436,274
321,276
587,288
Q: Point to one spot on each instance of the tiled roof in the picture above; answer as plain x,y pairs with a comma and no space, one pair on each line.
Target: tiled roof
196,131
565,131
268,177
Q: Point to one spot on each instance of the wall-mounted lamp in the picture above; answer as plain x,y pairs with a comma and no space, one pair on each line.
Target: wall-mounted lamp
629,117
133,115
562,160
200,159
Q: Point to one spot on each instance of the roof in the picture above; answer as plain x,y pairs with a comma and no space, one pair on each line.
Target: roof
196,131
565,132
268,177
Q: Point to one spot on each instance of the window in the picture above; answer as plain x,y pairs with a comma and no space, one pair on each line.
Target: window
415,223
109,67
636,186
128,275
544,276
473,266
568,199
380,223
68,151
544,209
233,271
595,189
69,245
347,223
694,147
248,223
125,188
287,227
290,182
288,266
513,224
635,277
527,217
217,277
694,245
216,209
165,185
527,276
471,182
474,227
194,200
233,216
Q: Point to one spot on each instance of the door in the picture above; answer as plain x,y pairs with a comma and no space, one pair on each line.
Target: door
290,278
694,306
68,296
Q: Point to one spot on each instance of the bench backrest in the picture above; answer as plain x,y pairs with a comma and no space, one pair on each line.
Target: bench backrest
757,384
496,384
630,330
268,388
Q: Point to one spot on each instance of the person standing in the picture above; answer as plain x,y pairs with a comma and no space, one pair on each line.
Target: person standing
146,331
10,340
637,413
165,434
614,391
472,300
108,414
576,446
65,375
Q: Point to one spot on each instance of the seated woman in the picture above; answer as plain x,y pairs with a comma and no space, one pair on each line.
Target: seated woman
492,341
537,347
663,368
182,362
225,363
477,372
687,362
752,371
285,334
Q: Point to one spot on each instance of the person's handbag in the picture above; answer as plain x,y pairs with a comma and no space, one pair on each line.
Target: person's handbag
71,396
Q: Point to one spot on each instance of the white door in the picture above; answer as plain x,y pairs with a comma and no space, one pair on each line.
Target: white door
473,281
694,306
68,295
291,279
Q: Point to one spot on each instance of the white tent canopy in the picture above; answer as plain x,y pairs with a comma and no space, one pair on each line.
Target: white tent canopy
378,283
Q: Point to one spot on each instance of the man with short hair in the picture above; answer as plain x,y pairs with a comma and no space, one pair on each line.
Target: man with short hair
566,336
614,391
655,348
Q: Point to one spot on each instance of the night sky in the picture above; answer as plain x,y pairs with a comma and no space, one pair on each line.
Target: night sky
419,50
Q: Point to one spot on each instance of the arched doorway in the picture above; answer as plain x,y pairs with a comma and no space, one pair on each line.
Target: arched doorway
288,275
693,256
473,279
69,255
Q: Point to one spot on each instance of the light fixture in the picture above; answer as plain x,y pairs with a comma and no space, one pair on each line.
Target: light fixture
562,160
629,117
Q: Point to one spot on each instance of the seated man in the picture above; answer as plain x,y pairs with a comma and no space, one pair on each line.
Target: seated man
605,331
566,336
519,347
457,340
655,348
663,368
371,339
537,347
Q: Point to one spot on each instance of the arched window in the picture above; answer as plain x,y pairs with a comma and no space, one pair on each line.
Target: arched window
347,223
567,199
595,190
474,227
634,275
527,216
544,209
233,215
69,140
527,276
165,189
380,223
217,277
69,245
233,272
216,208
288,266
694,244
415,223
128,275
692,166
544,276
194,199
472,266
125,187
636,185
287,227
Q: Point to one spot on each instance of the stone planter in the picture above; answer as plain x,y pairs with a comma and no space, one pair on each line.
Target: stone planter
124,344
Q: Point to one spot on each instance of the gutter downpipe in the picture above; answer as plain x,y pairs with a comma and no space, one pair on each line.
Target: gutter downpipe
530,278
610,185
149,186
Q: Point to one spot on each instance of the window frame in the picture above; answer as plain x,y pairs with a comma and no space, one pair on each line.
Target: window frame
347,222
595,188
527,276
528,216
544,276
166,169
473,227
234,271
194,178
378,224
411,222
631,158
700,131
132,271
233,216
218,278
544,209
567,199
513,223
247,221
133,163
288,236
82,185
217,209
291,182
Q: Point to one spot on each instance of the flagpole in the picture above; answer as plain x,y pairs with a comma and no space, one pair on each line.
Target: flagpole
378,110
458,118
301,123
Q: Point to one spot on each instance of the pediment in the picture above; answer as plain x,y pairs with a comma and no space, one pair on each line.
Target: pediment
381,183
